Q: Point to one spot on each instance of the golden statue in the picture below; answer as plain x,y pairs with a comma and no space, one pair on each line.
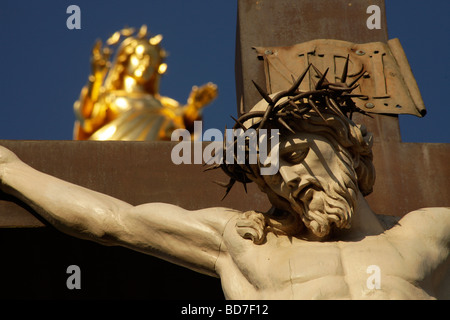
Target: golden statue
121,100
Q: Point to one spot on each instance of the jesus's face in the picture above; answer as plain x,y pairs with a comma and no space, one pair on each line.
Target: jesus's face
315,181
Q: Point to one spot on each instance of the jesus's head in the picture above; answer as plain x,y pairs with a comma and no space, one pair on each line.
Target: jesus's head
322,167
325,160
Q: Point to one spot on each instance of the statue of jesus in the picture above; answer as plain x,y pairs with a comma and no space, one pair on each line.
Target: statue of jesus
319,239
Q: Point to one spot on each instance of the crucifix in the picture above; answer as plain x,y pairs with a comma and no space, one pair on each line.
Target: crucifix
270,24
126,178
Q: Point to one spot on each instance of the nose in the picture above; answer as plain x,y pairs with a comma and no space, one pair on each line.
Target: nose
290,177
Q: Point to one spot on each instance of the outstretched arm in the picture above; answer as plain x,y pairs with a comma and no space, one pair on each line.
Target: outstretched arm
198,99
188,238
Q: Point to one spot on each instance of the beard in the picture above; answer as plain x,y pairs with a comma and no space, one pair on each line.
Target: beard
323,205
326,204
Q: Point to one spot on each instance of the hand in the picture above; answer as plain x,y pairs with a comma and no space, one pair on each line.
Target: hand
100,59
6,157
200,97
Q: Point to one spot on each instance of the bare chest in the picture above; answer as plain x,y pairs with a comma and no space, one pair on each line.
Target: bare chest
294,269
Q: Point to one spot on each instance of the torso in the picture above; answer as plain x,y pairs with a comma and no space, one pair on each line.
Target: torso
291,268
137,116
120,101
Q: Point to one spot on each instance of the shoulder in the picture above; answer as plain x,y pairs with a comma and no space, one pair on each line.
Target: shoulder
422,239
423,235
431,227
169,102
216,217
431,222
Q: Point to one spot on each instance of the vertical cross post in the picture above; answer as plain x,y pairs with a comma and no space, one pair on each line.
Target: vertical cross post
287,22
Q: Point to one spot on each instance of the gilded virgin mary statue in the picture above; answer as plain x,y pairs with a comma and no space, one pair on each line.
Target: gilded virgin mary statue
121,100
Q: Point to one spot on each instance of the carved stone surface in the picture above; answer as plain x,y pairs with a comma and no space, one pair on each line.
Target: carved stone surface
387,81
286,22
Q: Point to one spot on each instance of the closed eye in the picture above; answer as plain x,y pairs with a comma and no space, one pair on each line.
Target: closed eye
296,156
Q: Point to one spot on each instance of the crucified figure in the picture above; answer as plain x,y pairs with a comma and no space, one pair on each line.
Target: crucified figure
316,242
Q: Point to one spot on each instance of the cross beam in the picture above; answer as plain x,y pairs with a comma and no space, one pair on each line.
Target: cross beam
135,172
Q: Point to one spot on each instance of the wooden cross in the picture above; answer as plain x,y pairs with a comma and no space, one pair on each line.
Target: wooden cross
409,175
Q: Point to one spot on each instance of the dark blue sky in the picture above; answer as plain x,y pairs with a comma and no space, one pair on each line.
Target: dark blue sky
44,65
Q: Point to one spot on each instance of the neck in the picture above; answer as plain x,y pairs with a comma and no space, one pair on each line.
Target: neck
131,85
364,221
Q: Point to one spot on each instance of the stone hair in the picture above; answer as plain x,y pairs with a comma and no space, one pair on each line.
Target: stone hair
326,110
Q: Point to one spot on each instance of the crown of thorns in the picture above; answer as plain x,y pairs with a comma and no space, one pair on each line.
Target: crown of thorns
327,97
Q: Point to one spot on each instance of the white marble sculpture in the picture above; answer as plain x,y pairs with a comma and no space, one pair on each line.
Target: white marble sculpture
320,240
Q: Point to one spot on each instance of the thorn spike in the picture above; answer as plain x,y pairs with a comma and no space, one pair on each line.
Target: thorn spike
263,93
357,78
212,167
322,80
292,78
239,123
313,105
294,105
293,88
333,106
228,186
284,124
244,183
265,117
299,80
317,71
